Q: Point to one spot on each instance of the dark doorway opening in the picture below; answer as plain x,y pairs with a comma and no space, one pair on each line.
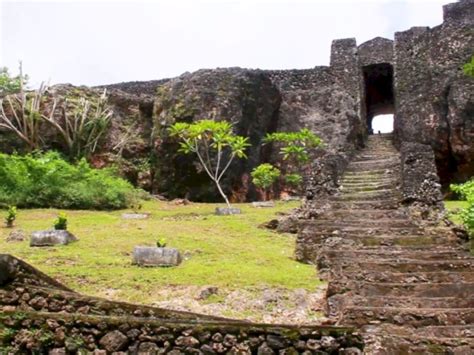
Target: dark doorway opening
378,90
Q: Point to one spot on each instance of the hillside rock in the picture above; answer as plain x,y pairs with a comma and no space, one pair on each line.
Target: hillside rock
246,98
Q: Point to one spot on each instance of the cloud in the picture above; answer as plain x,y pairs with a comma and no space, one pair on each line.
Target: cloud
92,42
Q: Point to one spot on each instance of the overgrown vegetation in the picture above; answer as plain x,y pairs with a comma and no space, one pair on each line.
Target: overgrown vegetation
295,149
215,145
466,192
81,123
47,180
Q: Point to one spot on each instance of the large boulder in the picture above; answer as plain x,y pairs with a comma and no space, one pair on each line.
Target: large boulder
7,270
51,238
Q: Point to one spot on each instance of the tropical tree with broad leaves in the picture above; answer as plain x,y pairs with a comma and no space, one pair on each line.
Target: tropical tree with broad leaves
215,145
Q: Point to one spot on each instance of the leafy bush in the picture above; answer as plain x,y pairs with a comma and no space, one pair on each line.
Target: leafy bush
468,68
161,243
47,180
466,191
61,222
264,175
11,216
296,148
294,180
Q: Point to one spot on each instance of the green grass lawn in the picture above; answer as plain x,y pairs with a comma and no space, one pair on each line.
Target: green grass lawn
454,207
224,251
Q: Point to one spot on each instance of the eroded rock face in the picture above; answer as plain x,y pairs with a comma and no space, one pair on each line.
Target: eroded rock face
434,98
246,98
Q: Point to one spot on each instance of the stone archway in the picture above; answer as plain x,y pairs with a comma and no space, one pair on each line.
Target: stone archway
378,91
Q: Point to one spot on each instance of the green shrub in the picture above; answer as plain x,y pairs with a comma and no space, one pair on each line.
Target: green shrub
264,175
161,243
294,180
466,192
47,180
61,222
11,216
468,68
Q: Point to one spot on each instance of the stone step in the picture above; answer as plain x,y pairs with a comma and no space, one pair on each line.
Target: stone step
367,181
405,265
414,317
413,277
370,213
340,230
382,196
425,289
364,204
370,156
383,240
367,172
390,253
353,221
355,188
413,302
417,345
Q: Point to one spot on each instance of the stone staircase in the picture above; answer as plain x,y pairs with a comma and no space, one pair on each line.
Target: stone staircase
408,287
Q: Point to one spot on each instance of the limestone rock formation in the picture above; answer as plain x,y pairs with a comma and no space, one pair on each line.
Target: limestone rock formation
246,98
417,77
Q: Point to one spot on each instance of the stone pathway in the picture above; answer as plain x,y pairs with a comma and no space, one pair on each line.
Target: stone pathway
409,288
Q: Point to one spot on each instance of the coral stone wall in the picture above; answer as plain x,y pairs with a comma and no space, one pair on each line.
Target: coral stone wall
434,98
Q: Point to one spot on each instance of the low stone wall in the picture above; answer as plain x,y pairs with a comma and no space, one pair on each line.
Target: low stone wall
67,333
40,316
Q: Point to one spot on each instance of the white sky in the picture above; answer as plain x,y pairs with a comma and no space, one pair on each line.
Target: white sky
382,123
92,42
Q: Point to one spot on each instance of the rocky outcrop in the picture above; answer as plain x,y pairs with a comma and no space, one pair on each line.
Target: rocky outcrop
434,99
246,98
417,77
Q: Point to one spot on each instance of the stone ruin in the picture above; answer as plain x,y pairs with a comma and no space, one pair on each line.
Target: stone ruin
405,286
417,77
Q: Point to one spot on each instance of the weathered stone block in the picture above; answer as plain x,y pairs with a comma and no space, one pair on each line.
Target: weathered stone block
225,211
260,204
51,237
135,215
114,341
152,256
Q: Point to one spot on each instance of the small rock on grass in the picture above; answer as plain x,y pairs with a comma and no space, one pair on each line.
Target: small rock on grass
206,292
16,236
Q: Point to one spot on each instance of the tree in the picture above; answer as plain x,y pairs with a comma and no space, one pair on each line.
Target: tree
11,85
295,148
81,124
215,145
22,115
263,176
